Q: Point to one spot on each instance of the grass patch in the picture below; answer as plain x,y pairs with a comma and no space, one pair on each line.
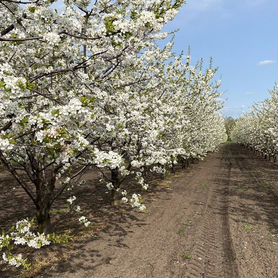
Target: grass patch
42,263
248,228
182,230
61,238
186,257
205,185
242,188
49,257
60,211
265,187
165,184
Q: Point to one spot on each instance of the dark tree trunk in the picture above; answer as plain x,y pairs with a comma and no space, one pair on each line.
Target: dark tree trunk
173,167
115,180
44,192
43,218
184,162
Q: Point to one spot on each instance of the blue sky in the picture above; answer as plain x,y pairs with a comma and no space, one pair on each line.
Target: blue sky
241,36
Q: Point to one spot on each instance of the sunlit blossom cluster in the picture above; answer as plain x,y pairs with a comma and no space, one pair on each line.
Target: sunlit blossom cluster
23,235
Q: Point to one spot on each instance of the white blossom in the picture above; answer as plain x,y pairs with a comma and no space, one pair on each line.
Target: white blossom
83,220
71,199
124,199
52,38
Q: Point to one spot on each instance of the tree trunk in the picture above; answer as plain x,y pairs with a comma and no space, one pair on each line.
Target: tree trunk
115,179
43,205
43,218
45,185
173,167
184,163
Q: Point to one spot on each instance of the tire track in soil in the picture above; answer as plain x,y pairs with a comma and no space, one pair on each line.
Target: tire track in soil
251,230
194,230
213,254
155,251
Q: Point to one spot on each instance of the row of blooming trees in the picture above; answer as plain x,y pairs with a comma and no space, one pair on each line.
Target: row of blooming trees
86,85
259,128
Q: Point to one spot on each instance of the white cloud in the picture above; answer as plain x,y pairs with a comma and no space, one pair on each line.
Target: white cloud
266,62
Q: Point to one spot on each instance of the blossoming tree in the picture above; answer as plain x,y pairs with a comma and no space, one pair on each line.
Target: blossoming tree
55,66
258,128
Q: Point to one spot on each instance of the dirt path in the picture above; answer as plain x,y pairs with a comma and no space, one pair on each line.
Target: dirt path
217,219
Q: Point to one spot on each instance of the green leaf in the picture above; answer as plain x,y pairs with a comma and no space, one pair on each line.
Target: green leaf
55,112
108,21
2,85
21,85
24,121
32,9
31,86
88,102
134,15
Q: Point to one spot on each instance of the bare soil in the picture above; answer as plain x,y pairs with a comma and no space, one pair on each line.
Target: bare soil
217,218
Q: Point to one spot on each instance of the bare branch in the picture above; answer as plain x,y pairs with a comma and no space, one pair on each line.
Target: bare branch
14,173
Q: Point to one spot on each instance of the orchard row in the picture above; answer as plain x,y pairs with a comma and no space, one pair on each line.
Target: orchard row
258,129
87,85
